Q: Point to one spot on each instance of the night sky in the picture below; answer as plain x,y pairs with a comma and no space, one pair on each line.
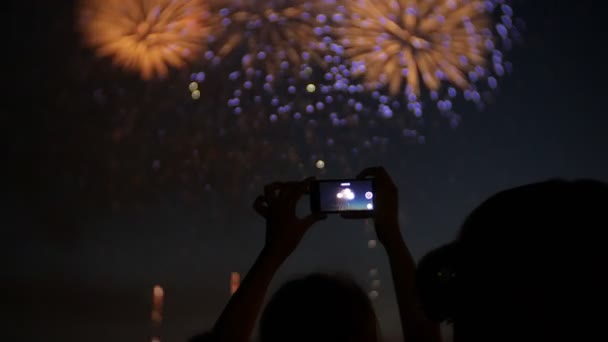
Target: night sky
100,203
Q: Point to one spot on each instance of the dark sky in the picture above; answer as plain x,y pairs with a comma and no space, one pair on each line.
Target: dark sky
91,227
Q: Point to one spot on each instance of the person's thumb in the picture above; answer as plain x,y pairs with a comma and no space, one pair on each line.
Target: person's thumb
313,218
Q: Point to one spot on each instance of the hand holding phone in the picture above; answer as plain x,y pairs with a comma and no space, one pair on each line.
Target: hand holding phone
386,214
373,194
277,205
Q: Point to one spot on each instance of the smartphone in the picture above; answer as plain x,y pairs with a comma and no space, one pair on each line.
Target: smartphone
339,196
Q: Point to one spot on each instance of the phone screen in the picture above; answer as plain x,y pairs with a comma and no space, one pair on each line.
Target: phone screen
333,196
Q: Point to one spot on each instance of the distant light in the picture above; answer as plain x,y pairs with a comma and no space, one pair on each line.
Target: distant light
311,88
196,94
373,294
452,92
502,30
349,194
492,82
158,291
235,282
369,195
234,75
370,206
193,86
320,164
157,303
371,244
499,69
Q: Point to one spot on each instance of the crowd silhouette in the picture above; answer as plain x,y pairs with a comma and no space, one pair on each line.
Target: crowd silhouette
526,265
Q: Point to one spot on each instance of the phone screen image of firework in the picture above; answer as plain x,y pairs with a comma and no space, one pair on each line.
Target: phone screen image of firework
336,196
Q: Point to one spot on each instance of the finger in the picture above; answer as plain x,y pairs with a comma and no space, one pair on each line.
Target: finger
371,172
271,190
356,215
307,184
287,190
260,205
313,218
303,188
293,191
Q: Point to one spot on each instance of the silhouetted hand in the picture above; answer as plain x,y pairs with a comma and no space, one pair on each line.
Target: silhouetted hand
284,229
386,205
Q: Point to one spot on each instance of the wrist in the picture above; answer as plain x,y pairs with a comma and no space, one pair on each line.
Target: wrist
274,255
394,239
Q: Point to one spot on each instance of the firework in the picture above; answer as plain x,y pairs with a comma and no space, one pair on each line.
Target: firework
273,36
296,90
281,59
145,36
414,43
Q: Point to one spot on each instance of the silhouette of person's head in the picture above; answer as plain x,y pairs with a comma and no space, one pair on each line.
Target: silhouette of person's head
319,307
527,265
205,337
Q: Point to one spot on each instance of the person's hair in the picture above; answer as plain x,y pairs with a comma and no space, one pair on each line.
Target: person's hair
436,282
204,337
527,259
319,307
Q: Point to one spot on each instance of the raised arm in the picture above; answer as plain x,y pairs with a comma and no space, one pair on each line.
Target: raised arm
414,323
283,233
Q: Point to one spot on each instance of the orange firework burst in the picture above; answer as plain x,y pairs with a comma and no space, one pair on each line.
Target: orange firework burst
402,41
146,36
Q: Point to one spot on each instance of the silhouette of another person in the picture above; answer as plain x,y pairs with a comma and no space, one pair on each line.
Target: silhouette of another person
205,337
319,307
528,265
